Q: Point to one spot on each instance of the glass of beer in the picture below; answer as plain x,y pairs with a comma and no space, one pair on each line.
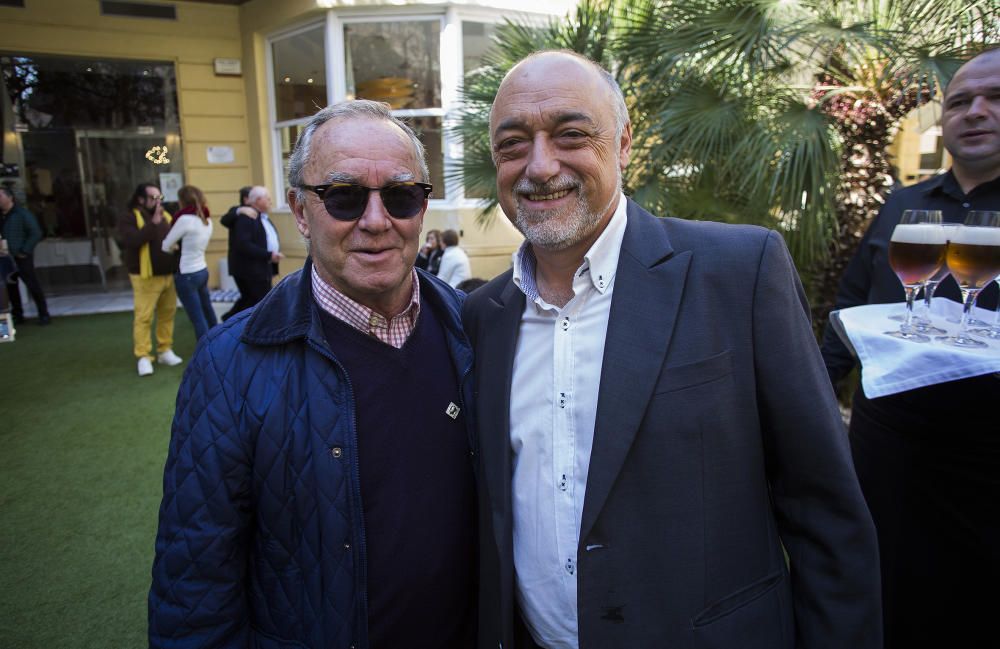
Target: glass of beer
973,258
916,253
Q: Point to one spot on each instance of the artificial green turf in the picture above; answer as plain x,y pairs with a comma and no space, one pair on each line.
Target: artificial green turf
82,445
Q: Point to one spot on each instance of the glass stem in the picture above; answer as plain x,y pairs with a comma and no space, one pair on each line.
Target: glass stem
911,293
996,314
929,294
969,296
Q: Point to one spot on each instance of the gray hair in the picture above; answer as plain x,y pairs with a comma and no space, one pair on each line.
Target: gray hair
353,109
257,192
617,96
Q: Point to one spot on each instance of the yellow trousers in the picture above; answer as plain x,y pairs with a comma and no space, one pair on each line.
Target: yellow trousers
153,295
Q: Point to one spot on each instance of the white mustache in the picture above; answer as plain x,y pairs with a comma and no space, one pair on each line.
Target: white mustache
525,186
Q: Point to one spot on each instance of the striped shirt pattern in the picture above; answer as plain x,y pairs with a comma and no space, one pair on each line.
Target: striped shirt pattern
394,331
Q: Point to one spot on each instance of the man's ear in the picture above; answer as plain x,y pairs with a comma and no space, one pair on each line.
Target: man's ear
625,150
298,209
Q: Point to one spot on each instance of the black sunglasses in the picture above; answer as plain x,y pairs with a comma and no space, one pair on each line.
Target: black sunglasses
347,201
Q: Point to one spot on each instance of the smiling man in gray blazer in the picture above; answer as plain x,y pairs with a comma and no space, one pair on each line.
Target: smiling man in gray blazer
654,418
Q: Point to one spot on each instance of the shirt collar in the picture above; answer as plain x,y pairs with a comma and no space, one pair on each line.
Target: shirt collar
946,183
600,262
358,315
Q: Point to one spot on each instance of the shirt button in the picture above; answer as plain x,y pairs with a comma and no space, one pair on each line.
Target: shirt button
336,451
347,546
965,205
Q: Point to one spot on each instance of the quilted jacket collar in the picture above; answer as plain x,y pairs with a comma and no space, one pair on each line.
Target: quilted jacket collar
288,312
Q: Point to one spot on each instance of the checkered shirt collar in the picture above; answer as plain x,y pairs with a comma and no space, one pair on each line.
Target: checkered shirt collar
393,331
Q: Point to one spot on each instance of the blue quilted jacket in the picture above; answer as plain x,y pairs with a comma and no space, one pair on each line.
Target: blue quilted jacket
261,542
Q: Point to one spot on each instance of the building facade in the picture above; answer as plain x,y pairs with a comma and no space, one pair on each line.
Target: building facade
99,96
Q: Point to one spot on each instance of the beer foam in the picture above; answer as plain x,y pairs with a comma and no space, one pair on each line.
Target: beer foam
978,236
924,233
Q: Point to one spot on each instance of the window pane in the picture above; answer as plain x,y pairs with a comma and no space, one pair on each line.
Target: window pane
287,137
428,129
299,74
476,39
394,62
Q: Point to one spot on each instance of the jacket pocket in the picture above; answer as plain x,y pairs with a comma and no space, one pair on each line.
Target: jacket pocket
689,375
757,616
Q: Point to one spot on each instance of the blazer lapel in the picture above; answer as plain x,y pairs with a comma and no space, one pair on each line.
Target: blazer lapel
649,284
497,340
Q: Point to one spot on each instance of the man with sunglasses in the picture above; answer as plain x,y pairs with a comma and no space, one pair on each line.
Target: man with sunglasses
319,488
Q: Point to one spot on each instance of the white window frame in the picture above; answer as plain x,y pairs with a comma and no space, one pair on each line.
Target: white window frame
277,168
450,62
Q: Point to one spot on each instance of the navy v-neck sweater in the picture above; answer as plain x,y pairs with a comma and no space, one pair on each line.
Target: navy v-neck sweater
417,486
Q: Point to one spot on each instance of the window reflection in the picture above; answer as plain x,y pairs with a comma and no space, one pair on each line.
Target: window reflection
299,63
394,62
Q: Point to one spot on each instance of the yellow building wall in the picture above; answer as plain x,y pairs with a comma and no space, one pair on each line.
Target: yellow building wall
212,108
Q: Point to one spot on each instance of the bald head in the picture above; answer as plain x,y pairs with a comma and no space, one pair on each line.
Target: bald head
546,59
970,120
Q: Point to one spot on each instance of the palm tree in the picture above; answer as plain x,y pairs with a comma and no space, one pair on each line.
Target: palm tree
777,112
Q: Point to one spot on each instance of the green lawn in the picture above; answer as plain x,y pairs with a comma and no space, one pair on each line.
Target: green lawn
82,445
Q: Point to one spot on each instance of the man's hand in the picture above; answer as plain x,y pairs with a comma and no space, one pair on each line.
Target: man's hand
247,211
276,257
158,214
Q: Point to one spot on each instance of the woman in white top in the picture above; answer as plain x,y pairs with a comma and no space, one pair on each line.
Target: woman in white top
192,229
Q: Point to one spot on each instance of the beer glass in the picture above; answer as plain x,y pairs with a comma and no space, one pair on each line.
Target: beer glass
973,257
916,253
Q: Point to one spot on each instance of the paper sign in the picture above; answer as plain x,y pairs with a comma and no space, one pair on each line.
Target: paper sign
218,155
169,184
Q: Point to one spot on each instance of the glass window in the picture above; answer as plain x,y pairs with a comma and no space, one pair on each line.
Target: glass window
299,65
287,137
477,38
428,129
396,62
80,134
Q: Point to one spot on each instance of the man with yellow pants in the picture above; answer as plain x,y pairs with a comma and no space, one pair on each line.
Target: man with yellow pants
151,272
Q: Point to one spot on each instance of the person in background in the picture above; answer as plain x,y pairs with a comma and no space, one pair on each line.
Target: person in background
253,251
151,273
429,257
471,284
191,231
929,458
21,230
455,267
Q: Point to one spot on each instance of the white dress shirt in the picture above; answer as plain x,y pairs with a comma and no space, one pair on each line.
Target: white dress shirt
454,267
553,407
270,233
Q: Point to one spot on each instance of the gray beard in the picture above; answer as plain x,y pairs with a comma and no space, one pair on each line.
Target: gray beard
545,230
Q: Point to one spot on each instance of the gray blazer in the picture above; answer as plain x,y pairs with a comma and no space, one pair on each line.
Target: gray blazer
718,444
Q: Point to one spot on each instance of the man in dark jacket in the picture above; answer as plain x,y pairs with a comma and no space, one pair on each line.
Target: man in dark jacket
319,489
22,232
252,262
151,272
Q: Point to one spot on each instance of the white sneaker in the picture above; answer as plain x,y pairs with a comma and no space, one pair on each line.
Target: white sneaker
169,358
145,366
